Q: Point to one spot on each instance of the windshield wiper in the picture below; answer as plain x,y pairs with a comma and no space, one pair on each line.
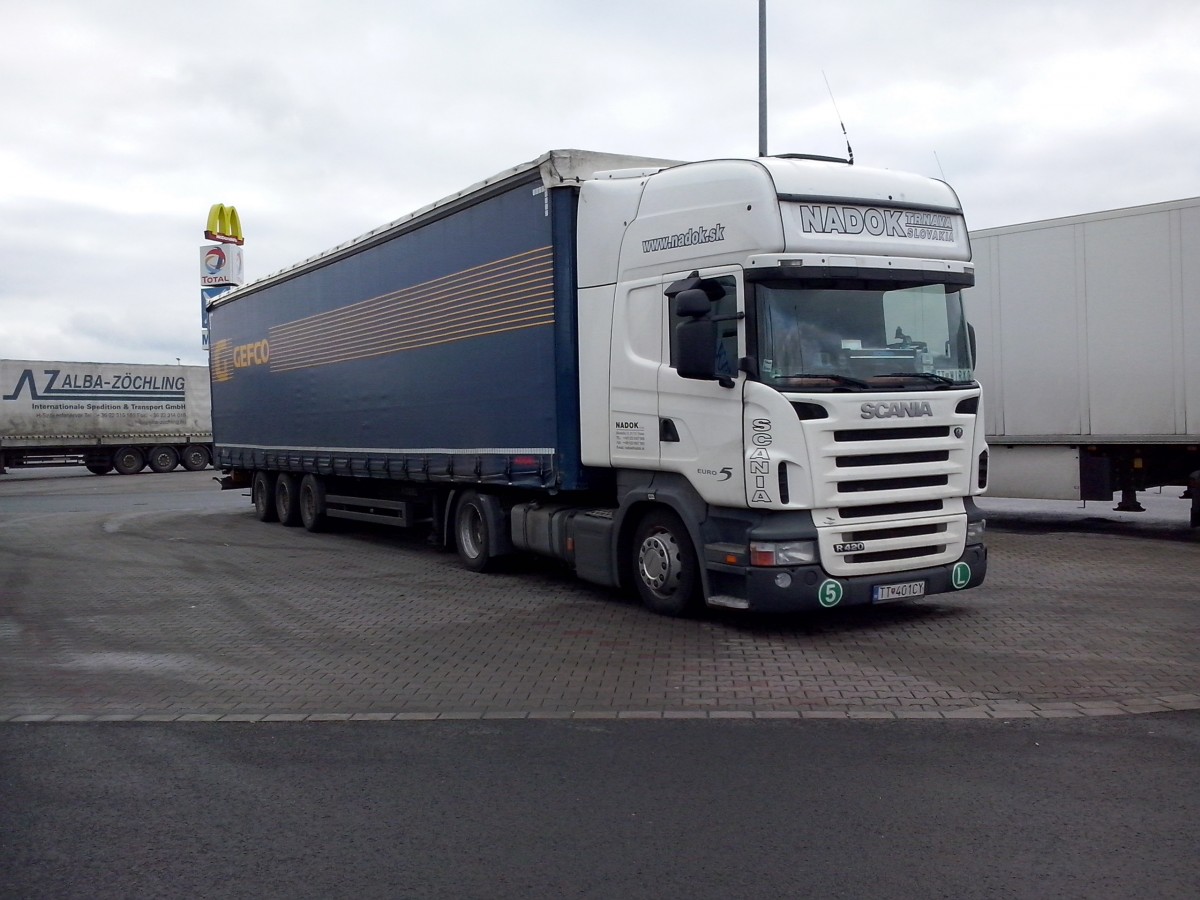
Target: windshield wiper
838,379
931,376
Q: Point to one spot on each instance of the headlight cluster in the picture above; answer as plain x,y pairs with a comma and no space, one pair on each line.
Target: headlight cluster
782,553
975,531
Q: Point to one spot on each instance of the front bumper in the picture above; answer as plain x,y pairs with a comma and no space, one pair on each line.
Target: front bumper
812,588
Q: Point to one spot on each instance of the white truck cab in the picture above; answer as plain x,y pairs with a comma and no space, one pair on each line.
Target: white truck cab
778,346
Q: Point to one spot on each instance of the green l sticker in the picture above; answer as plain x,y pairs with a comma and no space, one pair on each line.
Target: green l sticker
960,575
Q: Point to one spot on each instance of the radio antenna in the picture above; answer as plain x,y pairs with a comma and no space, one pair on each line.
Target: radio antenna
849,150
938,160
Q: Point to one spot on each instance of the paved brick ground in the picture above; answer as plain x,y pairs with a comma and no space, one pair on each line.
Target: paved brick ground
158,598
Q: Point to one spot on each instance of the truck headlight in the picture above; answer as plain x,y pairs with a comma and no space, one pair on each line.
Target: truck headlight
975,531
782,553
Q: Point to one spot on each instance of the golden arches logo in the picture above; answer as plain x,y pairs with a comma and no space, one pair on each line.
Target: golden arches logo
224,225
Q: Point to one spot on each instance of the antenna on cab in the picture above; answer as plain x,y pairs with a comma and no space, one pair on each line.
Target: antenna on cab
938,160
849,150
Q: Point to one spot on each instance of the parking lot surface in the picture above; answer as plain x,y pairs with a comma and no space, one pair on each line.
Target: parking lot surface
160,598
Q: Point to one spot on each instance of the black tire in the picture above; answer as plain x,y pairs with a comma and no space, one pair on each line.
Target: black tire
472,536
664,565
262,494
129,461
312,504
99,468
287,499
195,457
163,459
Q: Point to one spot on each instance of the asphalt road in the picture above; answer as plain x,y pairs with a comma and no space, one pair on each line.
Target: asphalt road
1090,808
193,703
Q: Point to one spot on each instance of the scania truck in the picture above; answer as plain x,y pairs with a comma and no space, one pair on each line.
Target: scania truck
106,416
745,383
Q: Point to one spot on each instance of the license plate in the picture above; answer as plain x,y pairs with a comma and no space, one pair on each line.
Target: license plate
886,592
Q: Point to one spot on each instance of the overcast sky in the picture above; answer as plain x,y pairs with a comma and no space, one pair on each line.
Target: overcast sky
124,121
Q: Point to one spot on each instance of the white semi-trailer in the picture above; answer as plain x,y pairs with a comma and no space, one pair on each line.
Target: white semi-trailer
1086,329
104,416
740,382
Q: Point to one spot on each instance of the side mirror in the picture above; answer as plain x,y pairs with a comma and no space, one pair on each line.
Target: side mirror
692,303
696,336
695,340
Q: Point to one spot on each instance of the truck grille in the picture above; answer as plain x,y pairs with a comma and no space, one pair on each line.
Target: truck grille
884,492
903,463
861,548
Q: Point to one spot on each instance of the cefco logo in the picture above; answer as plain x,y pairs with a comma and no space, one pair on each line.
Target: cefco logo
256,354
225,357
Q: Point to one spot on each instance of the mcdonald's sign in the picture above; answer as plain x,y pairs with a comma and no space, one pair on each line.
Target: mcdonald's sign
224,225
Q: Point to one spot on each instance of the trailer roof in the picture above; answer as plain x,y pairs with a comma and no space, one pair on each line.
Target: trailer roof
554,168
797,175
1118,213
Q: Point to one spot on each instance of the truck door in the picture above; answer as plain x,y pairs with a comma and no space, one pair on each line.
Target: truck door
636,355
701,421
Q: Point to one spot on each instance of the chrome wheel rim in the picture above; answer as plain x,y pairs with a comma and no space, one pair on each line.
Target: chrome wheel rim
659,564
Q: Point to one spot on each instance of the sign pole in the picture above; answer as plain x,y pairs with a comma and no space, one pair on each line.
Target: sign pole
220,262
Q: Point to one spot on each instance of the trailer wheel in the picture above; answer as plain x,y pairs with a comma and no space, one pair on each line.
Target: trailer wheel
195,457
99,468
129,461
312,503
665,568
287,499
163,459
472,536
262,492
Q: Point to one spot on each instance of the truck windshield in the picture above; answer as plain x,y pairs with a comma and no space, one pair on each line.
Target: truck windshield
861,337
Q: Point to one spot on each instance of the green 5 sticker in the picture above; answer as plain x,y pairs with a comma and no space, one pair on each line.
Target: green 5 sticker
830,592
960,575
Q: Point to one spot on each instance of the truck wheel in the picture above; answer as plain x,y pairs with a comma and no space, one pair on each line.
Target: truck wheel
262,492
287,499
99,468
129,461
195,457
472,536
312,503
665,569
163,459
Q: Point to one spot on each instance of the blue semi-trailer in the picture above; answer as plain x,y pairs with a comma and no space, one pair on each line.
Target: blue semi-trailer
741,383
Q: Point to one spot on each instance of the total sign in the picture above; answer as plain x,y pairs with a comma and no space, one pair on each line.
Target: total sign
221,264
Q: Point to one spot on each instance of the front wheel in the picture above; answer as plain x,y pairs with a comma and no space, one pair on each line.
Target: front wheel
665,568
